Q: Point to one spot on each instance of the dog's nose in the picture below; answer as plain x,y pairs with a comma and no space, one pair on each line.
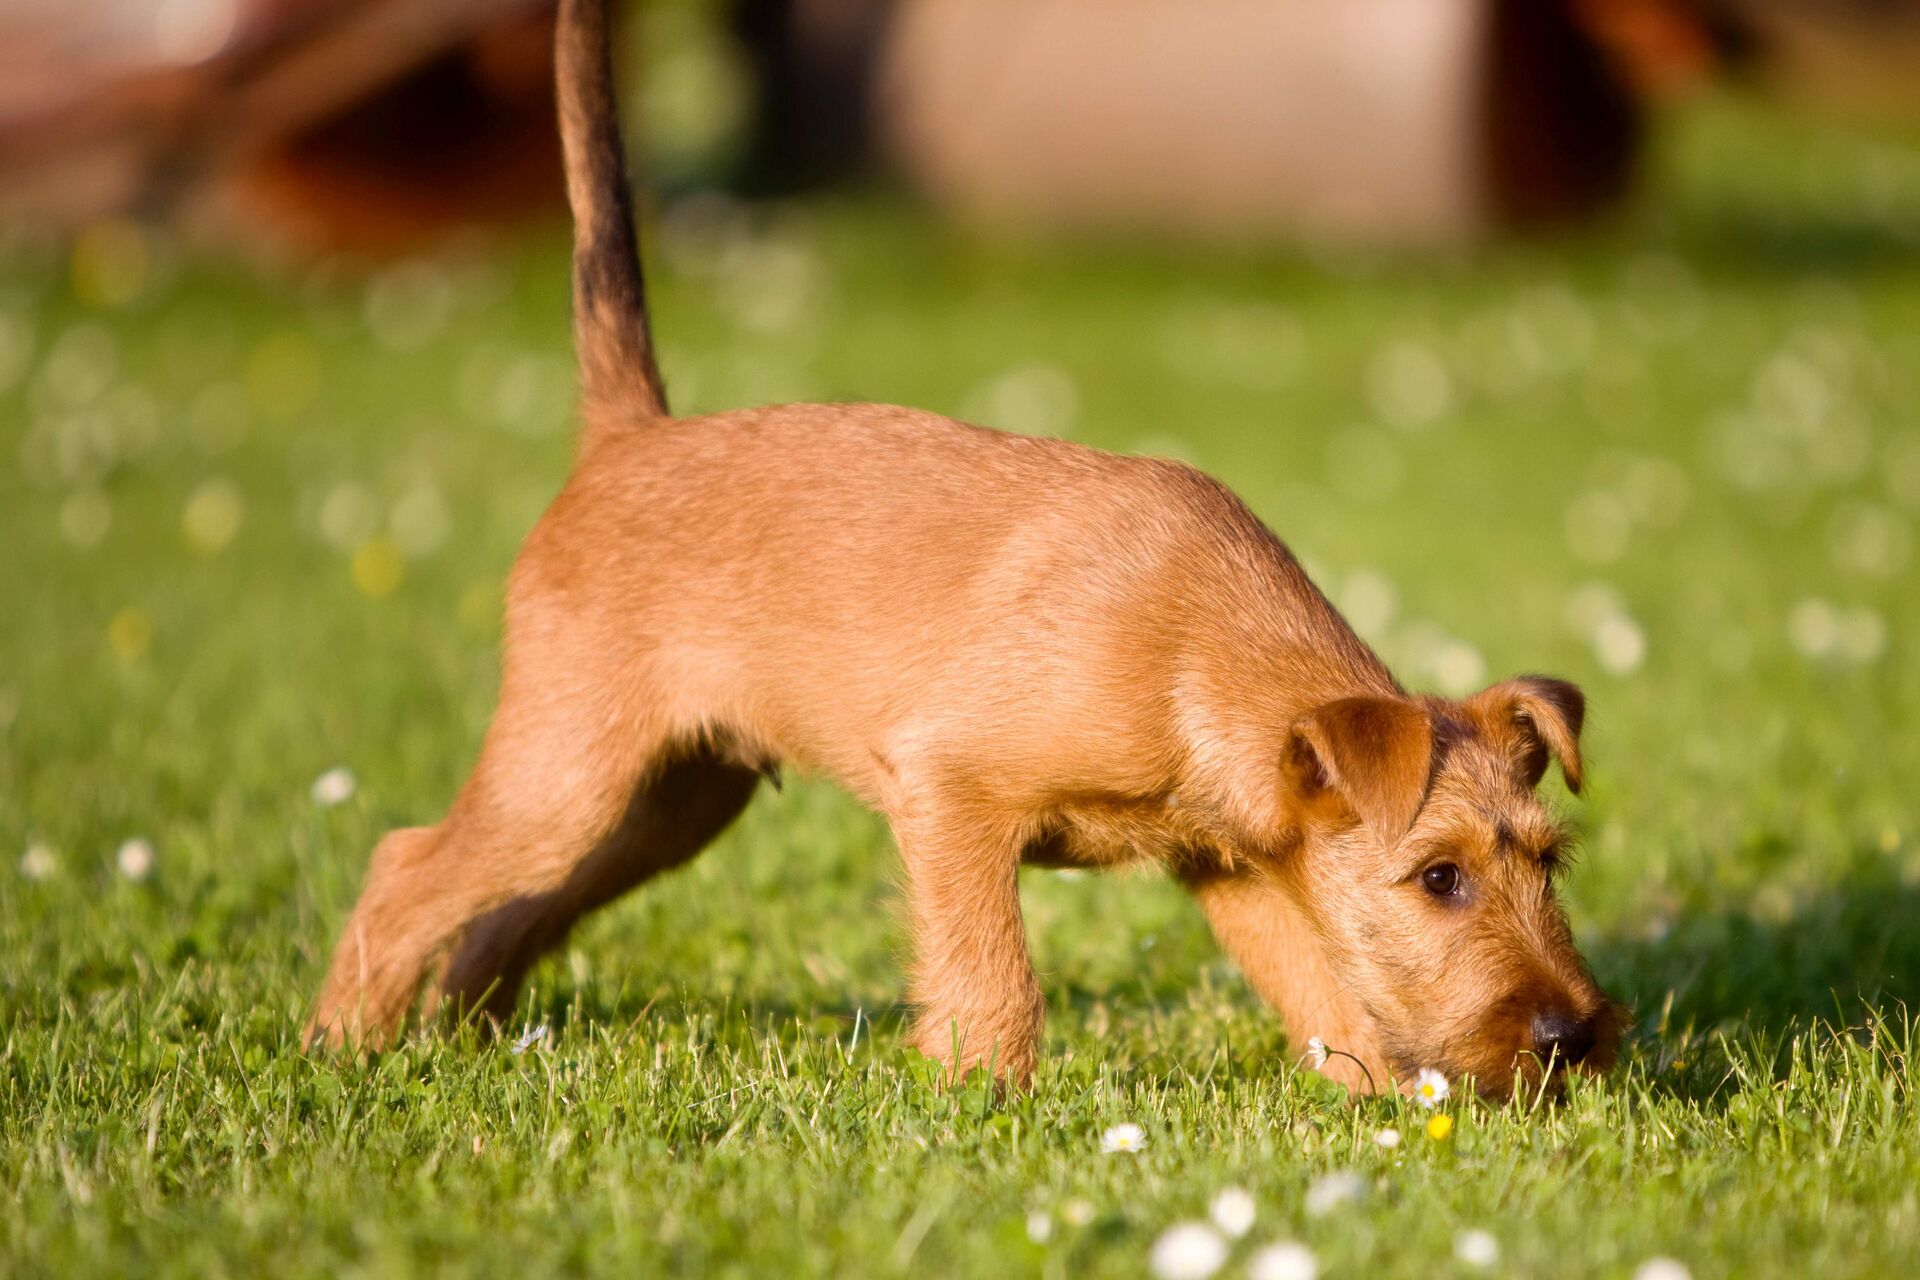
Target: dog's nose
1560,1035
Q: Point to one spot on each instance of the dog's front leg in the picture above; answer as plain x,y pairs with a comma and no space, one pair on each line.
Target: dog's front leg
1268,936
973,982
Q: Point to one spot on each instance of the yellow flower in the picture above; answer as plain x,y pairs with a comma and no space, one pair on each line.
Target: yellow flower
378,568
1440,1127
130,634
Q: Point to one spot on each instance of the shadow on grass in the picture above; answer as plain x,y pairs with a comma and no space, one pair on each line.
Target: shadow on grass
1843,950
1745,240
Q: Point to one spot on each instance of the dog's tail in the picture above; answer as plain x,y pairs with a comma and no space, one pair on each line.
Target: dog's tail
610,331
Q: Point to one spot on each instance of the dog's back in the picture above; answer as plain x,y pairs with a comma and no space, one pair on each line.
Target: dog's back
826,583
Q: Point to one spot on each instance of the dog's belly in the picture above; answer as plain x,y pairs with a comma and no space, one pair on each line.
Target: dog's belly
1115,831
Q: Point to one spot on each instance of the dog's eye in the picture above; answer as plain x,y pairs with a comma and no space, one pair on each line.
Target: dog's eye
1442,879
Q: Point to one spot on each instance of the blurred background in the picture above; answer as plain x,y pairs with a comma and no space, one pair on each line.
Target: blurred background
386,125
1580,336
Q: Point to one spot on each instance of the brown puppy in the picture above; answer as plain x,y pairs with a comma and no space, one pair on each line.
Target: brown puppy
1016,649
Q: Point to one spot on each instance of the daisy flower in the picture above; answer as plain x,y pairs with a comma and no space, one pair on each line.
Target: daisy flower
1317,1052
1232,1211
528,1039
38,862
333,787
1285,1261
1387,1139
1476,1248
1341,1187
1187,1251
1039,1227
1430,1088
1662,1269
1123,1139
135,859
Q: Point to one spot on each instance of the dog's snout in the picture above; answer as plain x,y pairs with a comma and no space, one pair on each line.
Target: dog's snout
1561,1036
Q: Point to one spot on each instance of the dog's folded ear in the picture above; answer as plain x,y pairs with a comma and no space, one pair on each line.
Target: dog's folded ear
1375,753
1544,716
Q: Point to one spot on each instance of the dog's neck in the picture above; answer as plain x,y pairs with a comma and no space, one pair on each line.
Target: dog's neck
1258,668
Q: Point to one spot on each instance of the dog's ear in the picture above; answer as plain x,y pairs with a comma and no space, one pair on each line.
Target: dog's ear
1375,753
1544,716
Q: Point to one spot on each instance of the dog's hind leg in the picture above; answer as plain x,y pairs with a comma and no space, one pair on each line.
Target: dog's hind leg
670,818
577,797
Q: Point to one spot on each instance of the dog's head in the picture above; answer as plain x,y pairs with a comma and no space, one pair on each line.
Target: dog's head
1428,866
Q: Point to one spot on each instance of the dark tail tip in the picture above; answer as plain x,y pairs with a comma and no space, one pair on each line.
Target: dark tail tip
611,335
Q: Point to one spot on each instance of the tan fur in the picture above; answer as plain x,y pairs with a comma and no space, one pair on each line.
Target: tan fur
1015,649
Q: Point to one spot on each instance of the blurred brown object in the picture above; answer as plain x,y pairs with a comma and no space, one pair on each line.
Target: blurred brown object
1410,121
1852,57
359,124
1666,46
376,125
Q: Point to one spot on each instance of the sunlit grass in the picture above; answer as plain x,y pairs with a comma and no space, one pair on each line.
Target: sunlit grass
254,529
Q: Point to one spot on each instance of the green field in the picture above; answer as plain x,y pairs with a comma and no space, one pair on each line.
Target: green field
254,520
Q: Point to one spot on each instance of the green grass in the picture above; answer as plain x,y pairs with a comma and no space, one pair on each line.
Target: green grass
1700,424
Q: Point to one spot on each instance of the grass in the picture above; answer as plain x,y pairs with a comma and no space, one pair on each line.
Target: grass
254,525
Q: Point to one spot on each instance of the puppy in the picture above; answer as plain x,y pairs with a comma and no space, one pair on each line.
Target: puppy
1016,650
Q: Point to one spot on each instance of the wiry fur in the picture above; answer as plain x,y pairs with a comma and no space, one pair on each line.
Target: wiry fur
1015,649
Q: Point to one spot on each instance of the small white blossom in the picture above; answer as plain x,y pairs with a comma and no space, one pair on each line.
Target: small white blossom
1233,1211
1476,1248
1285,1261
1123,1139
335,786
1039,1227
1430,1088
1317,1052
1341,1187
1187,1251
1077,1212
38,862
135,859
1662,1269
1619,645
529,1038
1387,1139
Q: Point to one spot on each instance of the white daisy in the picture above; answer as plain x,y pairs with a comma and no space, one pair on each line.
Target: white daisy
1233,1211
1341,1187
1187,1251
1123,1139
1039,1227
333,787
1387,1139
1317,1052
529,1038
38,862
135,859
1285,1261
1662,1269
1476,1248
1430,1088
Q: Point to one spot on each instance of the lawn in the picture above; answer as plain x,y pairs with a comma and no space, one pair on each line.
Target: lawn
254,523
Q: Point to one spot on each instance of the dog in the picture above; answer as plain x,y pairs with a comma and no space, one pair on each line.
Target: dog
1017,650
